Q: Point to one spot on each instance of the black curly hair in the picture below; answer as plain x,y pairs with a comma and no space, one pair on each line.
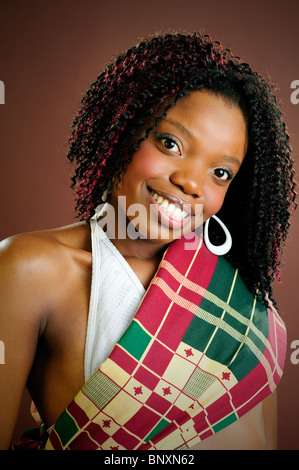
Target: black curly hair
126,102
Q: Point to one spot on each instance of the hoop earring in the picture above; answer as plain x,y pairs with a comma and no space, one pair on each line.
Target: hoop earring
218,250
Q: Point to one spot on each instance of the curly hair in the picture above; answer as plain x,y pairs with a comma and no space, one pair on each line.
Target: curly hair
134,93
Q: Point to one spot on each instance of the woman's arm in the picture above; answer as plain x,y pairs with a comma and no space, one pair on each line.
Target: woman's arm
21,304
270,421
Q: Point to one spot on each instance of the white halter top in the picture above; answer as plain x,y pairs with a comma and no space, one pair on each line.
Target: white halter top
116,293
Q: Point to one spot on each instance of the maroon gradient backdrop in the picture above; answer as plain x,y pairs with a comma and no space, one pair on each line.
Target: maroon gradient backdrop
49,54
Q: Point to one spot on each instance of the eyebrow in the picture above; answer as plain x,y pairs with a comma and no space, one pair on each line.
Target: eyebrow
233,160
178,125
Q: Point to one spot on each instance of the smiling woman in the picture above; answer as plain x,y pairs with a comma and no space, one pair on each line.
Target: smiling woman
189,161
145,343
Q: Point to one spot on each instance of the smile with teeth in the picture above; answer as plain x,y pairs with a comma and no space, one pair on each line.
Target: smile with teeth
171,209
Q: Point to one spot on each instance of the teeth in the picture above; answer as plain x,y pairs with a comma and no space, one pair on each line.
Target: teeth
171,209
178,213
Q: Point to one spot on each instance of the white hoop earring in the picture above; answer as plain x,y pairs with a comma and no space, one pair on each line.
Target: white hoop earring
218,250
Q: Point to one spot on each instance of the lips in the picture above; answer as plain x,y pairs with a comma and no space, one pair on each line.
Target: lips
173,211
171,200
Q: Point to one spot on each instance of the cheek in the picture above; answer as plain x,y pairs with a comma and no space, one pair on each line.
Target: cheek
147,162
145,165
214,203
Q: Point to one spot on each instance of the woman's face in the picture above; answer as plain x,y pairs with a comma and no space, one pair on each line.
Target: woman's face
180,175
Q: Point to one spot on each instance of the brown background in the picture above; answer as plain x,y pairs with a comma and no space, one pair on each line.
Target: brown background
50,51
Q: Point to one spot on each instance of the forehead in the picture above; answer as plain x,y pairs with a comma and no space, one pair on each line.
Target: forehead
209,118
209,105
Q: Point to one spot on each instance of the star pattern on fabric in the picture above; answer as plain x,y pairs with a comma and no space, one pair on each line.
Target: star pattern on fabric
138,390
226,375
166,391
106,423
188,352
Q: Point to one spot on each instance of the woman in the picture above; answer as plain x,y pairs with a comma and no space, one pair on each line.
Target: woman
181,130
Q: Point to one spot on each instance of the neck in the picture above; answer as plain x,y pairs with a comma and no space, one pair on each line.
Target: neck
126,239
142,249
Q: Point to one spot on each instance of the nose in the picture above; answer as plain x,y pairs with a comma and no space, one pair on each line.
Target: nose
189,181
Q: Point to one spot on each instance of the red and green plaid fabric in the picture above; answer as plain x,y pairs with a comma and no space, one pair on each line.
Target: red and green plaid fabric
199,353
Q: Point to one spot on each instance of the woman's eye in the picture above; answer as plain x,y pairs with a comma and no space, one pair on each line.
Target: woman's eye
168,142
223,174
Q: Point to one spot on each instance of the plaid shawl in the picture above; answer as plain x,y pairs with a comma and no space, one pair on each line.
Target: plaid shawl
200,352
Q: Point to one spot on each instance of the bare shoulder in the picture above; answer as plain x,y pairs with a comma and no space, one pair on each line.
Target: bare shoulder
33,264
73,236
44,244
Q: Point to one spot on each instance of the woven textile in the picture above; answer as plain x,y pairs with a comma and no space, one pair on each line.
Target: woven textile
200,352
